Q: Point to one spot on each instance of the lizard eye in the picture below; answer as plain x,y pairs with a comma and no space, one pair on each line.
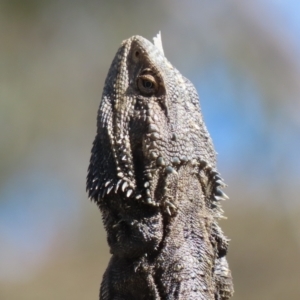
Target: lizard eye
147,84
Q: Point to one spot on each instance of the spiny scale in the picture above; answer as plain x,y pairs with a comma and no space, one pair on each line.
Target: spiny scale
153,174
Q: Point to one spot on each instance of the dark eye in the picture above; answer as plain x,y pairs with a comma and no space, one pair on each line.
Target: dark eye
147,84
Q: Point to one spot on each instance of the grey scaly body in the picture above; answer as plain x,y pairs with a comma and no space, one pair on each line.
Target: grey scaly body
153,174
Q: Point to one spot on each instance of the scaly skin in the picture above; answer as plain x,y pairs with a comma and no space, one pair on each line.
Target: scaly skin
153,174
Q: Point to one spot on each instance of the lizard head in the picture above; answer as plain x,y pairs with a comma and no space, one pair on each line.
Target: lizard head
149,125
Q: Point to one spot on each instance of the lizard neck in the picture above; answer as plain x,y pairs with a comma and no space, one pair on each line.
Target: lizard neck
187,252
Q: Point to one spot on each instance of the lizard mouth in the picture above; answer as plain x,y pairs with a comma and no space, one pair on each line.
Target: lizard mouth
133,126
146,139
125,151
137,133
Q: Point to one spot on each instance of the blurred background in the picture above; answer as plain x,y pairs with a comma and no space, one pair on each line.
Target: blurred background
244,59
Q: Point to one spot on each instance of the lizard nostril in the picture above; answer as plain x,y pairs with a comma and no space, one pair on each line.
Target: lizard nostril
137,53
